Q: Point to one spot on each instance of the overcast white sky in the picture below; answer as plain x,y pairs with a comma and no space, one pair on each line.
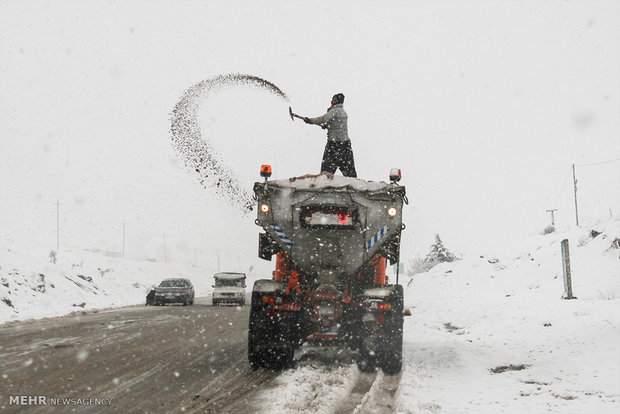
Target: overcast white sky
484,105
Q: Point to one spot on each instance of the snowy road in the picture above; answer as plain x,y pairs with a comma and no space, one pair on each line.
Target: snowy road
146,359
174,359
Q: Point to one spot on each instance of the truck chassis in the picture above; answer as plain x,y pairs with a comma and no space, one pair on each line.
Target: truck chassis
332,238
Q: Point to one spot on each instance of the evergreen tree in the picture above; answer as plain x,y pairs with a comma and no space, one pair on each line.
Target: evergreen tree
439,253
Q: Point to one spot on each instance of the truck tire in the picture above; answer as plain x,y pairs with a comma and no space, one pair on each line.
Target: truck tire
260,356
367,361
381,346
263,350
269,346
390,358
255,357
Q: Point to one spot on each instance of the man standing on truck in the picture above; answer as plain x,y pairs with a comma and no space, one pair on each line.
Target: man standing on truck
338,152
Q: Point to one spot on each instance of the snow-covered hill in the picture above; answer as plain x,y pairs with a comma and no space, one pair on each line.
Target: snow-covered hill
37,283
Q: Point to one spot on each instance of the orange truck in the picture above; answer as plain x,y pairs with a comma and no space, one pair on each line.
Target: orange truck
332,238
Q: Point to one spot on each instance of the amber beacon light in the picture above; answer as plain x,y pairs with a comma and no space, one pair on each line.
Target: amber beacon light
265,171
395,175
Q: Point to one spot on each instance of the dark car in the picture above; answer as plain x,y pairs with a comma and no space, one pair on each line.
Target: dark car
172,291
150,297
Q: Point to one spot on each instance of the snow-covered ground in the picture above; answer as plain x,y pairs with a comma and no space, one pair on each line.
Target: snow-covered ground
487,333
492,334
32,286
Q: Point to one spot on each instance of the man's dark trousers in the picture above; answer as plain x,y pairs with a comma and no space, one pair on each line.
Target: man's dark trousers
338,154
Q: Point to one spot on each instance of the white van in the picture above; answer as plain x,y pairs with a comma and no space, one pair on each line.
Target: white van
229,287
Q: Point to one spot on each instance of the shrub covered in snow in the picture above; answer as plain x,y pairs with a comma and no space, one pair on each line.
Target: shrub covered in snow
548,230
438,254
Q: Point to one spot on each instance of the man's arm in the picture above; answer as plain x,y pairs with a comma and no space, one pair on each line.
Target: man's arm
321,120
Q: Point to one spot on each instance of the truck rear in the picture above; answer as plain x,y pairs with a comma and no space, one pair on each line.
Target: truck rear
332,238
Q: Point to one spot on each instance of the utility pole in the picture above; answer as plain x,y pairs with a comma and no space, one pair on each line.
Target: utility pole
552,217
57,225
575,191
123,238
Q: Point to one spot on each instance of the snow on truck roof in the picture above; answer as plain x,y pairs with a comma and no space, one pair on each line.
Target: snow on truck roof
229,275
326,180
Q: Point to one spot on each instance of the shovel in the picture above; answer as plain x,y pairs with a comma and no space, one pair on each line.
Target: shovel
293,115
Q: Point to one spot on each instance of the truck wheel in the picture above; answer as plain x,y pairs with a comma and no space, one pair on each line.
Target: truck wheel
255,357
267,347
366,364
367,361
391,356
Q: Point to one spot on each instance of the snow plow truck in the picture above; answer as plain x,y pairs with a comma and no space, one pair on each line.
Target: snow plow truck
332,238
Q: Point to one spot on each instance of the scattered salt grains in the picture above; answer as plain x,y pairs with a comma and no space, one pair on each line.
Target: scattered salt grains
194,148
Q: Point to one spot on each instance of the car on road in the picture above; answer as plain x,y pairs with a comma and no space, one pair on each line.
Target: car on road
175,290
229,288
150,296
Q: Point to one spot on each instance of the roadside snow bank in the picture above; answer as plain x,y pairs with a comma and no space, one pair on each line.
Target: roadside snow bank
33,286
492,334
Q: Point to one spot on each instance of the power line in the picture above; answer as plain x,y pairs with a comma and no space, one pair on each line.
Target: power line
568,173
597,163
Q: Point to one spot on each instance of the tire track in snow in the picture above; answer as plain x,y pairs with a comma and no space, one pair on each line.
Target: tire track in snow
373,393
327,380
380,397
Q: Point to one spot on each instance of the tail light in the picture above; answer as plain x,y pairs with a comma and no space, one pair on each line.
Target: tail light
269,299
381,306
